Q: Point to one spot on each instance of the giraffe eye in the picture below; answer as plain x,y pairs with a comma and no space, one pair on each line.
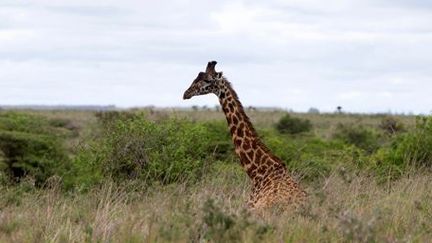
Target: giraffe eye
206,81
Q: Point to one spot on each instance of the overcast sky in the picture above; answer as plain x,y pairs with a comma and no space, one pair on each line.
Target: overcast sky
364,55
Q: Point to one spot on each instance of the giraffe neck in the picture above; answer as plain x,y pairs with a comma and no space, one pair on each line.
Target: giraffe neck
255,157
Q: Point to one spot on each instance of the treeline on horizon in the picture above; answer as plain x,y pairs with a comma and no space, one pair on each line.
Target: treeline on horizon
311,110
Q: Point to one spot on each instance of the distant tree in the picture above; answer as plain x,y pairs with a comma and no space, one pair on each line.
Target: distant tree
251,108
339,109
217,108
195,108
313,110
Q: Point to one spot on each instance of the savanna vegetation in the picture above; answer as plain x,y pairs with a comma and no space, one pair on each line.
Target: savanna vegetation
168,175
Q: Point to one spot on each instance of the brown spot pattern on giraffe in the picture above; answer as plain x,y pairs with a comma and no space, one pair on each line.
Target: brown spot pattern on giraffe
270,179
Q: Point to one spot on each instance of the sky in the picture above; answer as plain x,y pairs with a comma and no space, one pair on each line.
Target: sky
363,55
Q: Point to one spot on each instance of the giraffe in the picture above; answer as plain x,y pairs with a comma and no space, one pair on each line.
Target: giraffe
271,182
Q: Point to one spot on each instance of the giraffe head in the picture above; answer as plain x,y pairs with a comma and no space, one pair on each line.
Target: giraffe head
205,83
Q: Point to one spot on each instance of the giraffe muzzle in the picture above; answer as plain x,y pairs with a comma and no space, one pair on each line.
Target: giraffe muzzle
187,95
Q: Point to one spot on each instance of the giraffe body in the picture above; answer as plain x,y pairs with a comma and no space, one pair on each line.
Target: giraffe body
271,182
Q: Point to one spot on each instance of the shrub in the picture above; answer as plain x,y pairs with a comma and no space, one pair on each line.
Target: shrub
168,151
407,150
391,125
108,118
293,125
312,158
30,147
22,122
221,146
415,148
357,135
313,110
65,125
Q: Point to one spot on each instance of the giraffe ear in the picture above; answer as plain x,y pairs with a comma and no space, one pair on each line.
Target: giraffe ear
211,68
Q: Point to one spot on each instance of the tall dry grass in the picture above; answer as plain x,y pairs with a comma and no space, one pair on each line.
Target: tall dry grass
341,208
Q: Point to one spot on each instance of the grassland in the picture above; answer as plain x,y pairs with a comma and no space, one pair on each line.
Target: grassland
357,194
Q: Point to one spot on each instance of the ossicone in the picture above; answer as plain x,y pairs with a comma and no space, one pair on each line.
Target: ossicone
211,67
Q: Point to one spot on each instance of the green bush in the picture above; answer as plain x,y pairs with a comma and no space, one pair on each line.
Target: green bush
23,122
30,147
391,125
357,135
221,146
407,150
310,157
65,125
315,158
166,151
416,147
108,118
293,125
